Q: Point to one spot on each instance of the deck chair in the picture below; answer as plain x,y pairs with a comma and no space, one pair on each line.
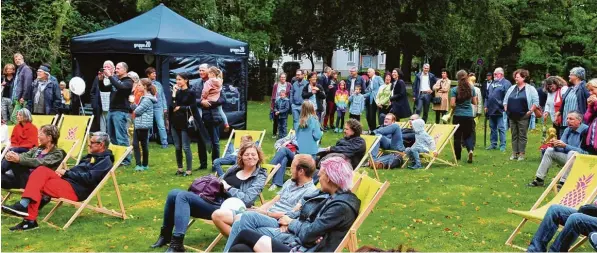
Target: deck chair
119,152
67,146
40,120
370,141
74,127
443,135
580,189
428,127
369,191
257,136
5,147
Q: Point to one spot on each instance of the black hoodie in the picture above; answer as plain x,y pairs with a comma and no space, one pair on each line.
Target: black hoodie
119,99
89,172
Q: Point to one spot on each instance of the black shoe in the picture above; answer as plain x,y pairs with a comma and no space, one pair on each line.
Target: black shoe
536,183
177,244
560,185
470,157
593,240
45,199
25,225
179,173
16,209
164,239
201,168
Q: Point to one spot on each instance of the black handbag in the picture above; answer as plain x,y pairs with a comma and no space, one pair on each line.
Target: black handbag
436,100
191,124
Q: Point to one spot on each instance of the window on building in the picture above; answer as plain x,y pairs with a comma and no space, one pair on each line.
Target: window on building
351,56
383,58
296,57
319,59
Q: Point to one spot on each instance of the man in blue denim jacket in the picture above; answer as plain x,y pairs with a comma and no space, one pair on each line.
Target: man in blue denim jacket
494,109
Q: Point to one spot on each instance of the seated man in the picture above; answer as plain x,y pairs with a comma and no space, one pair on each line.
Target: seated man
75,184
16,168
299,185
408,134
319,225
583,221
391,135
353,146
563,149
230,156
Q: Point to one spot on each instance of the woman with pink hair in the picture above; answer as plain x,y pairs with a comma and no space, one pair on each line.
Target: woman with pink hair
316,226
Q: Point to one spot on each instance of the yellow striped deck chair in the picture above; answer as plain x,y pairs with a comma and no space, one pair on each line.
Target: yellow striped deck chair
370,141
119,152
369,191
236,135
580,188
74,127
40,120
443,135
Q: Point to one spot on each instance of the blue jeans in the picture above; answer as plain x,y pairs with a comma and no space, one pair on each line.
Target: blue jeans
413,154
260,223
118,131
213,130
281,157
180,206
395,143
158,116
226,160
282,127
296,114
423,105
496,124
182,142
574,225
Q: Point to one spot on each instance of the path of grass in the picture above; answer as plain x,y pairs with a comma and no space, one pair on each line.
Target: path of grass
442,209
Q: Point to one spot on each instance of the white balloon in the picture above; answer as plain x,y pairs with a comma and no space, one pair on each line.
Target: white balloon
77,85
234,204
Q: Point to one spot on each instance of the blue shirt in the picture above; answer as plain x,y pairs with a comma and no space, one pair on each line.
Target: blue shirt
291,194
573,139
296,93
570,103
517,103
464,109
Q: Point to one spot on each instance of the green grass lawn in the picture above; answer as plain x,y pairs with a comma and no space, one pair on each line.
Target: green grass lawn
459,208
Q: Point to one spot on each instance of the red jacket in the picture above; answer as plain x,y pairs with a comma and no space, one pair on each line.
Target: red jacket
24,136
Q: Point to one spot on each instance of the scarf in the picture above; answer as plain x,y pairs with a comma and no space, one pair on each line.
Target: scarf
41,86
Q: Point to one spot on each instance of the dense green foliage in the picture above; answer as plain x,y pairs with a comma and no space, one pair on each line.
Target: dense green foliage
540,35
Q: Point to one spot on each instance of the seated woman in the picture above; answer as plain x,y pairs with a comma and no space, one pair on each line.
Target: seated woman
308,135
352,145
245,181
24,133
317,226
16,168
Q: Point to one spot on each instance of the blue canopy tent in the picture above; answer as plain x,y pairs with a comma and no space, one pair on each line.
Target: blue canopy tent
172,44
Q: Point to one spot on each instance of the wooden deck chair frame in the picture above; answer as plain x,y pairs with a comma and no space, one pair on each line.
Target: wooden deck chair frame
368,155
270,175
233,137
350,240
593,193
77,157
62,165
5,148
95,193
439,149
45,119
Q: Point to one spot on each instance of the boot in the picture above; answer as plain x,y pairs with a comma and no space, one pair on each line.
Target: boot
45,199
165,237
177,244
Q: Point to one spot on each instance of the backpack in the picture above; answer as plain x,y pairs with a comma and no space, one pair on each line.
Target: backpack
209,188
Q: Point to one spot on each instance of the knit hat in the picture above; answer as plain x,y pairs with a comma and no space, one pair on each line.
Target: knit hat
578,72
339,171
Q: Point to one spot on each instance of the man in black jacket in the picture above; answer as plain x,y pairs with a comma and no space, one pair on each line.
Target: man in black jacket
202,143
75,184
118,117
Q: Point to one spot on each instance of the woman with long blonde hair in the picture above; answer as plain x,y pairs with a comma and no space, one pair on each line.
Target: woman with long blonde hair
309,131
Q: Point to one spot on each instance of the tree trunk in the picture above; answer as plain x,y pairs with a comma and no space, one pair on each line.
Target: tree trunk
393,59
55,44
327,59
262,81
406,65
310,56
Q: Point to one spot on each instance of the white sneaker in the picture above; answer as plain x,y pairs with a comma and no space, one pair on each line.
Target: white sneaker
273,188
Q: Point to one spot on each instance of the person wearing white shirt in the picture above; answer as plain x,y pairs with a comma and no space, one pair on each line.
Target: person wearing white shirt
422,93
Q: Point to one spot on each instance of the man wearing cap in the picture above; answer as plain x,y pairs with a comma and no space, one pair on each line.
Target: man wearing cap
494,108
44,98
575,98
486,84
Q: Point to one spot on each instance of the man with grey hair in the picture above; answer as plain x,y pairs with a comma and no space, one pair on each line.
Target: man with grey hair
23,80
74,184
101,90
494,109
422,92
118,117
562,149
575,98
197,88
354,80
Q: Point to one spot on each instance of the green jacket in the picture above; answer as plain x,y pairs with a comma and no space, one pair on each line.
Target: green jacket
52,159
